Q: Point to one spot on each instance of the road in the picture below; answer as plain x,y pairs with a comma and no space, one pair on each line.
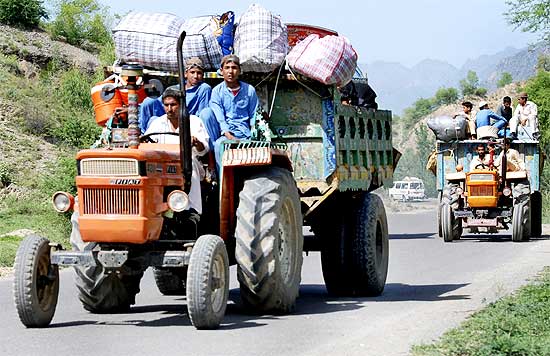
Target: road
431,287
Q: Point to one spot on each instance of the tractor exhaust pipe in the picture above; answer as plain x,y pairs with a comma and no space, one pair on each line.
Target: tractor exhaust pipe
185,126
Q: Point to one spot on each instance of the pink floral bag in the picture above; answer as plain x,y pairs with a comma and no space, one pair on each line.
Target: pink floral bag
330,60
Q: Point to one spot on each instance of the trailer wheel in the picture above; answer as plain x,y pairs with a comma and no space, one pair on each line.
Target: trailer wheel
170,281
102,291
335,234
207,282
536,214
269,242
370,247
520,215
36,282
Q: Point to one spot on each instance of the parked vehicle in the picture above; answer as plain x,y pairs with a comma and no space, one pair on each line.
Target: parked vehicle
130,211
408,189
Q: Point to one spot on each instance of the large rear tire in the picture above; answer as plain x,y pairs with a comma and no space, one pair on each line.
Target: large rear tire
207,282
446,222
336,238
36,282
102,291
269,242
451,228
521,226
370,247
536,214
170,281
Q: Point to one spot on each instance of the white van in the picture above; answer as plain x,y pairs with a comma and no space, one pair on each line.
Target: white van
408,189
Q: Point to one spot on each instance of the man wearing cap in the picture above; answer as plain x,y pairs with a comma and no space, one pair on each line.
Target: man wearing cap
525,117
197,95
484,116
234,104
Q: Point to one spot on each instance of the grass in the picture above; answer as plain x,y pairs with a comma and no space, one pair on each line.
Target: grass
29,213
515,325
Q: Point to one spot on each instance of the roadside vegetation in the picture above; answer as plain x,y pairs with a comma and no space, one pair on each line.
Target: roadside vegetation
515,325
52,103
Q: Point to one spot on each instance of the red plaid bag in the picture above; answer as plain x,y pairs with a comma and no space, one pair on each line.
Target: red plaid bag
330,60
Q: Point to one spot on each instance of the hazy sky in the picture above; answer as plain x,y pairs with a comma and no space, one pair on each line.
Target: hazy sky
389,30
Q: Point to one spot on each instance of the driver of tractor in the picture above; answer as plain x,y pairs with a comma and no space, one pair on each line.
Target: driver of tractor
161,129
482,159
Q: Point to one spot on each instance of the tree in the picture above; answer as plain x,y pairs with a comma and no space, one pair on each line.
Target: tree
445,96
469,84
81,22
531,16
25,14
505,79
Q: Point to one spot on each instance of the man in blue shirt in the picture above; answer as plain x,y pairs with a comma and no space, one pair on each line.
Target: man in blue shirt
234,105
197,95
484,116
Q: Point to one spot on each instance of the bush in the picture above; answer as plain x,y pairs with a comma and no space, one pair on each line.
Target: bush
6,174
81,22
60,176
25,14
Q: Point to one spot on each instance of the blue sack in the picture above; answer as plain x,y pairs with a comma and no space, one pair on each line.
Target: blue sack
225,32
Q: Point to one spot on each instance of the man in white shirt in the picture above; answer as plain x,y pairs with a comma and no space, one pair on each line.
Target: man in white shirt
525,118
169,122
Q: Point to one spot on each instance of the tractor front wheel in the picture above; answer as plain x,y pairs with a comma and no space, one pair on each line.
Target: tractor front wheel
36,282
207,282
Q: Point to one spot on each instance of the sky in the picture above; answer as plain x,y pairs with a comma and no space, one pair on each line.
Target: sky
405,32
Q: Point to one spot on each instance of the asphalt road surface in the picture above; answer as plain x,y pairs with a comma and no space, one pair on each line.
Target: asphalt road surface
431,286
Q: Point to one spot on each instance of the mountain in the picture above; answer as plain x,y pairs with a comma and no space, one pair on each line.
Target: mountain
398,86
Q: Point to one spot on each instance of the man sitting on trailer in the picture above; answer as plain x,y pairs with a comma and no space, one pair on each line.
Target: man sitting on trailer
234,104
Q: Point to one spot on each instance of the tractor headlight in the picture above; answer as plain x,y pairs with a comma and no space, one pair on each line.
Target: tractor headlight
506,191
178,201
62,202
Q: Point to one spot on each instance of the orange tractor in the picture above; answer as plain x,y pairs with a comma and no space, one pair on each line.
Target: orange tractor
131,210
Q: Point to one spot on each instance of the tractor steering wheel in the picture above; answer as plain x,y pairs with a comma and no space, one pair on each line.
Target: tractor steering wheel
147,138
482,165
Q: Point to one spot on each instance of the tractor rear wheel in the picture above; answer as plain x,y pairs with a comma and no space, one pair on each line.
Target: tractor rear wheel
370,247
207,282
36,282
446,219
269,242
99,290
170,281
521,227
450,200
536,214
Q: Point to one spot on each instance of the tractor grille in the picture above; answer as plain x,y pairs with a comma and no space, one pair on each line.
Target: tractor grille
109,167
111,201
481,191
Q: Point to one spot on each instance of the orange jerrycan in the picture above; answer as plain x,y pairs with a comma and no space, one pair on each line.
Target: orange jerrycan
106,99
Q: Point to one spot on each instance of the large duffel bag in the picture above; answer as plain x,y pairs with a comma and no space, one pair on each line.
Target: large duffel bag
201,41
447,128
149,39
330,60
261,40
